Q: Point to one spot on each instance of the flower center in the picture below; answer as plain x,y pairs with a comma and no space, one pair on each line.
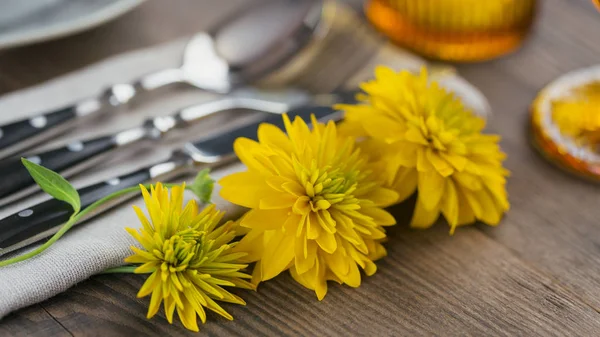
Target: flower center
178,251
431,132
326,188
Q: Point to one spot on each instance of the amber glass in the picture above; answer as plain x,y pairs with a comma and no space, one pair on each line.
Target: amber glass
454,30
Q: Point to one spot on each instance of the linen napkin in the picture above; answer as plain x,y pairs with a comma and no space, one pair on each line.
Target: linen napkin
103,243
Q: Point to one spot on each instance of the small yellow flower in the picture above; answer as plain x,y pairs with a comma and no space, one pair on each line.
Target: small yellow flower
188,255
316,208
426,140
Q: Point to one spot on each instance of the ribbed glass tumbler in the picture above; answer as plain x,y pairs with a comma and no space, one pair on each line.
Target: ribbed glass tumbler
454,30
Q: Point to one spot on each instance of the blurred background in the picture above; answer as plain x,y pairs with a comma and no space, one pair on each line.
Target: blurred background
449,30
507,52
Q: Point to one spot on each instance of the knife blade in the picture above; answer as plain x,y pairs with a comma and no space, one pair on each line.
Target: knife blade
45,219
68,160
232,54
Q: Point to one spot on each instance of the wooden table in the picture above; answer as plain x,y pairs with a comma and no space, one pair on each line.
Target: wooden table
538,273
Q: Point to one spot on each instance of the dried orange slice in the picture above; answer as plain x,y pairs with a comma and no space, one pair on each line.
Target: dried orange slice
565,122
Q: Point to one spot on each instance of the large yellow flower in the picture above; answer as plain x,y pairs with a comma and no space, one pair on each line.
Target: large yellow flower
316,208
427,140
188,255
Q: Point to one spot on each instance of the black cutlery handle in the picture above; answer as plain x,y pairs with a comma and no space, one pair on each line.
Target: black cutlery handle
14,176
220,146
24,226
22,130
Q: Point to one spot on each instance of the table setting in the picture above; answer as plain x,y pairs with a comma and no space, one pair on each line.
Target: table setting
312,167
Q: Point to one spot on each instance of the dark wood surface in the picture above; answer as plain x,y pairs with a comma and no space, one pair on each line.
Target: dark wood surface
538,273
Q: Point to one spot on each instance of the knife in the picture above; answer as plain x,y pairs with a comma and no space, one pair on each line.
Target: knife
45,219
233,54
16,183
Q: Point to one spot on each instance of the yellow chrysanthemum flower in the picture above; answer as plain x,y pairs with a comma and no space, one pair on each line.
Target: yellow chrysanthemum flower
316,208
188,255
426,140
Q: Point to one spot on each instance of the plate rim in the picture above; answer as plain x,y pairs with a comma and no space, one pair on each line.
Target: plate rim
70,27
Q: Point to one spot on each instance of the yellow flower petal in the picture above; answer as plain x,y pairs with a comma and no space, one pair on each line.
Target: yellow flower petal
380,216
313,279
353,277
319,280
305,254
327,242
277,201
415,136
377,126
150,285
382,197
465,212
431,189
188,318
423,217
244,189
458,162
263,220
246,149
491,215
406,183
152,205
272,135
278,254
155,301
468,180
450,205
338,263
440,165
423,163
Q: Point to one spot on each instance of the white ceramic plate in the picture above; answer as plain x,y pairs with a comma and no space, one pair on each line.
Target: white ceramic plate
27,21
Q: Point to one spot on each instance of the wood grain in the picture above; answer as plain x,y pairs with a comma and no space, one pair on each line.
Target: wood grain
430,284
553,222
32,321
534,275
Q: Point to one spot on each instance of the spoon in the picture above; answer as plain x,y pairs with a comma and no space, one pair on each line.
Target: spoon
43,220
72,158
237,52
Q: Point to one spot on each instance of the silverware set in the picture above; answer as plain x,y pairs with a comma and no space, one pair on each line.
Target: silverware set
220,60
43,220
79,155
228,60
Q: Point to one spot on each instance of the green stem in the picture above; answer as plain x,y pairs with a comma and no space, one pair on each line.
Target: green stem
72,221
121,269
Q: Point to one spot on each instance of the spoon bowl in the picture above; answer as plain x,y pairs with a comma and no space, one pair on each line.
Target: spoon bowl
251,45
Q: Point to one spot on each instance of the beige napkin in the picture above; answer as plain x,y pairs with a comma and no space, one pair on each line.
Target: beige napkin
103,242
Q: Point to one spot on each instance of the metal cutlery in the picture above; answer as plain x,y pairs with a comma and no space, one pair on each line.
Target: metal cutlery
68,160
239,51
43,220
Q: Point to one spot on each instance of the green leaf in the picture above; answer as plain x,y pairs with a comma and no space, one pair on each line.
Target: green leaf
53,184
203,186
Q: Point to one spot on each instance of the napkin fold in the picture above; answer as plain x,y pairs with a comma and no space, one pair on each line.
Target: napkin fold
103,242
84,251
